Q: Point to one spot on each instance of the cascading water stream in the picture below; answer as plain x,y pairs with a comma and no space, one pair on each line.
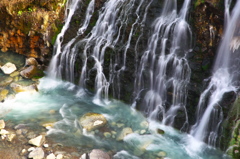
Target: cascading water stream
223,81
57,63
164,73
106,34
164,59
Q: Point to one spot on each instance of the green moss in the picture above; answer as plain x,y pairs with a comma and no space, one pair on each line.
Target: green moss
198,2
205,67
20,12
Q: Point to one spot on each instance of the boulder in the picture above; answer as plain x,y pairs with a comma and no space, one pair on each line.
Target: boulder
37,153
37,141
8,68
92,121
31,69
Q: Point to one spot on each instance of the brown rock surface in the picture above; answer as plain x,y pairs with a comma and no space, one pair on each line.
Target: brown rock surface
29,27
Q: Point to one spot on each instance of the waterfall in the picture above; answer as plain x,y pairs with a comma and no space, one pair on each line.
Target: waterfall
87,50
164,73
161,72
60,57
224,81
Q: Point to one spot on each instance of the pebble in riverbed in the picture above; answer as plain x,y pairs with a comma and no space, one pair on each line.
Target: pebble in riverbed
38,141
37,153
96,154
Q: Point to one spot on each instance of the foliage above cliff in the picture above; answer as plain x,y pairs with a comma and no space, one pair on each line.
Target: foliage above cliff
28,26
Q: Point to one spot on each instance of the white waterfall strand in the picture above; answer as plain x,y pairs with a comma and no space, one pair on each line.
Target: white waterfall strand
166,69
224,80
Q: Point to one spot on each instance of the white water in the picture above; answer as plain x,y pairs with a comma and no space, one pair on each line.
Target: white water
164,67
223,81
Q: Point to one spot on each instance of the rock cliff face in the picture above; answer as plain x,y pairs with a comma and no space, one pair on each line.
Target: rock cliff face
206,19
29,27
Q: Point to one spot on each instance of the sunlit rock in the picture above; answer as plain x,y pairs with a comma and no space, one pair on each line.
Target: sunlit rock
51,156
2,124
45,145
16,87
31,69
4,132
59,156
8,68
124,133
11,136
23,152
37,153
31,149
38,141
5,81
92,121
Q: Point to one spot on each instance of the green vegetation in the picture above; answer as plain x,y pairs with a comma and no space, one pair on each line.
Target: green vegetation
198,2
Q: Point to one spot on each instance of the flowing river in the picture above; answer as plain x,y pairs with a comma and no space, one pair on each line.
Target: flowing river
63,103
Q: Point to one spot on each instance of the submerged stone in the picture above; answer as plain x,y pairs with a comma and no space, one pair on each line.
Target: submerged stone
17,88
5,81
107,134
124,133
92,121
162,154
8,68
